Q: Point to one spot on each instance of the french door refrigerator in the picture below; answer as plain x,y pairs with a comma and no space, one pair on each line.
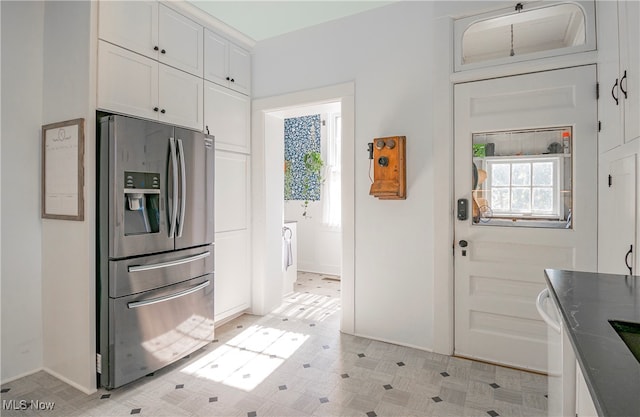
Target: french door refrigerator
155,246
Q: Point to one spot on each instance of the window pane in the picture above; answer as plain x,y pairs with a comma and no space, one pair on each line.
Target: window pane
543,200
500,199
500,174
543,173
521,174
521,199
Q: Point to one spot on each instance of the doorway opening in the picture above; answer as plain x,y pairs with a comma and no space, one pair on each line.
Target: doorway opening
325,217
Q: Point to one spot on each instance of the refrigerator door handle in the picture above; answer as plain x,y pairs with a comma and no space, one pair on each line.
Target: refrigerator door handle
136,304
183,188
174,190
139,268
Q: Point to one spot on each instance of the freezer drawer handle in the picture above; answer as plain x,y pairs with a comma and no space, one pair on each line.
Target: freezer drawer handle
150,301
138,268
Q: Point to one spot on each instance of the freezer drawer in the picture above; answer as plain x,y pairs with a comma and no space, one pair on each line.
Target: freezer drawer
150,330
145,273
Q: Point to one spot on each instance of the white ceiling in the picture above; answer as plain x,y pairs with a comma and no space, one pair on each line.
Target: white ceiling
260,20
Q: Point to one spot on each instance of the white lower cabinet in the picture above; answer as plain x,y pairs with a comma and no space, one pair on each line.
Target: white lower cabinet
132,84
233,261
584,402
232,276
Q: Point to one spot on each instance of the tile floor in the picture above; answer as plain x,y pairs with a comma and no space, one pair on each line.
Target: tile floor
295,362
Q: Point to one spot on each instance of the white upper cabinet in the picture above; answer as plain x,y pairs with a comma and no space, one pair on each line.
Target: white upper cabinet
239,69
227,117
130,24
132,84
127,82
180,41
226,64
630,66
155,31
618,73
180,96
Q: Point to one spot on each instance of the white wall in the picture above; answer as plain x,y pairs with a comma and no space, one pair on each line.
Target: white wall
319,246
68,247
388,53
22,58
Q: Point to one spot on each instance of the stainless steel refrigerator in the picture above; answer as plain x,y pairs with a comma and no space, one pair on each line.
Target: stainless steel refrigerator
155,246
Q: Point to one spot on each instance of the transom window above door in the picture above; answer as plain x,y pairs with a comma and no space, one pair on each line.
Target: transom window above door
524,31
522,178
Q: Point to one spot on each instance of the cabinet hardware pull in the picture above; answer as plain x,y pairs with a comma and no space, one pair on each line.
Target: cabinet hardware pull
163,111
155,109
163,52
233,81
626,260
136,304
228,78
155,48
612,92
624,77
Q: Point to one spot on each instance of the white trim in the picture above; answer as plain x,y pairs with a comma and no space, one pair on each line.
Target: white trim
393,342
263,217
205,19
22,375
66,380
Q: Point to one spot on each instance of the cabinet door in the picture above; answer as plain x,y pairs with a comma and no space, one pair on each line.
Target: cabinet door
239,69
231,191
584,402
130,24
232,277
216,52
127,82
630,66
617,230
180,41
227,115
180,98
609,111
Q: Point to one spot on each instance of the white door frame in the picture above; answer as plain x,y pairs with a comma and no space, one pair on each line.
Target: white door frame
443,133
268,197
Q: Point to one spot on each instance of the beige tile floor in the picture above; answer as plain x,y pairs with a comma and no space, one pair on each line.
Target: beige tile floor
295,362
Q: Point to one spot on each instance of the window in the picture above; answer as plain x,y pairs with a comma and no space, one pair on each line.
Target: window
331,210
524,31
525,187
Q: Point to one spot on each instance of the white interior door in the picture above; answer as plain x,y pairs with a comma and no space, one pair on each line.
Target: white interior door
524,223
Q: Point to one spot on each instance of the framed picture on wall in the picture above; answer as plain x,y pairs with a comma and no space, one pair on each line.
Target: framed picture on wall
63,170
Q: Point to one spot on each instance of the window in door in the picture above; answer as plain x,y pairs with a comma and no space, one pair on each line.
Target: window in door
522,178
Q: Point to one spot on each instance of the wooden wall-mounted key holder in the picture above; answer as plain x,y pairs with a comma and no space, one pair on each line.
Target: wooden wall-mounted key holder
389,169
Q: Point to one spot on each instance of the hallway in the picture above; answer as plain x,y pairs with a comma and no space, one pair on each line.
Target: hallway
295,362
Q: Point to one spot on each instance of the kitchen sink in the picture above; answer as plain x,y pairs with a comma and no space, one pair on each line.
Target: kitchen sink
630,333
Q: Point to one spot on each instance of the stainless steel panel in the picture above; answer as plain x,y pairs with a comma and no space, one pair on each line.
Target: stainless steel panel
197,160
144,273
137,146
151,336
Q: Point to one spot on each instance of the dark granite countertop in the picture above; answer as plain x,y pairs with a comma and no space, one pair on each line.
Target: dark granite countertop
587,302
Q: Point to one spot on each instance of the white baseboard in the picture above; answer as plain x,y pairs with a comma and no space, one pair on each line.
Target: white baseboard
409,345
66,380
13,378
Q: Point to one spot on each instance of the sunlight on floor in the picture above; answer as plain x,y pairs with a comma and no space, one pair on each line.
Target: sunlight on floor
308,306
249,358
